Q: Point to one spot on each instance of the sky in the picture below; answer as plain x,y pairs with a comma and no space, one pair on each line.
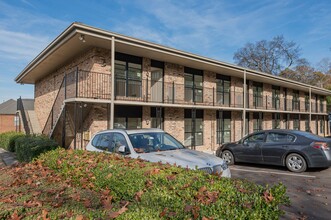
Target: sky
213,28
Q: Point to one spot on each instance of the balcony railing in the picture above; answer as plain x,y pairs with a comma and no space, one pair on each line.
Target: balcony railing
87,84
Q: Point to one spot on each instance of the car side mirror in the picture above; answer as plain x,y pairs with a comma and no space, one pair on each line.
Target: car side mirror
123,150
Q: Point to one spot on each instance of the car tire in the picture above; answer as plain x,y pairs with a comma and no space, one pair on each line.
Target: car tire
228,157
296,163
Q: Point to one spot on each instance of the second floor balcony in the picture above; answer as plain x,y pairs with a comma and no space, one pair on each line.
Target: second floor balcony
86,84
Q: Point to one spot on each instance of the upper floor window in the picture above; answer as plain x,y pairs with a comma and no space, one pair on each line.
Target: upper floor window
223,85
128,75
257,94
295,100
321,104
193,85
307,102
275,97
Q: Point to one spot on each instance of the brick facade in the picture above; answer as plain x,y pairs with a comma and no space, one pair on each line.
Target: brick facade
7,123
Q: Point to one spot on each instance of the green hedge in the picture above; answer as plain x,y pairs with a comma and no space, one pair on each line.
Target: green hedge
7,140
157,191
29,147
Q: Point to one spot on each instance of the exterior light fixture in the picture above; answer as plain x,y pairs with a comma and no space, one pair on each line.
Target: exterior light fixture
82,38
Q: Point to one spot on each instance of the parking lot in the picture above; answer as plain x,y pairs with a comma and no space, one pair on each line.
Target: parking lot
309,192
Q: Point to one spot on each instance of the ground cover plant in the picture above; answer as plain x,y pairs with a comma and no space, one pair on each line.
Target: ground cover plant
66,184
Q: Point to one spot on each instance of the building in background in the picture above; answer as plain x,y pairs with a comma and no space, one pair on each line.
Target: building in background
9,121
90,79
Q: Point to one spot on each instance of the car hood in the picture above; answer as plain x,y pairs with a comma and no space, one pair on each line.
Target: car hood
183,157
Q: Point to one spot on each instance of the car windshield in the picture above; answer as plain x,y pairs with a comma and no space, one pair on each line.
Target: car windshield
154,141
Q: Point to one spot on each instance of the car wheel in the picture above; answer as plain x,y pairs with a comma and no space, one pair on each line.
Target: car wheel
228,157
296,163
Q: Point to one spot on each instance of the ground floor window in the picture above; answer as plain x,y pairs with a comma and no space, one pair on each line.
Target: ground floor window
276,120
257,121
157,117
286,120
321,125
127,117
223,130
307,126
296,122
247,123
193,124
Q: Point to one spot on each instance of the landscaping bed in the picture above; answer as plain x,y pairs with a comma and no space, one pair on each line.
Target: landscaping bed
84,185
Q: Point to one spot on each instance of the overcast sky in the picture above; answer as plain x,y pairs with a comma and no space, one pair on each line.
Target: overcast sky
215,29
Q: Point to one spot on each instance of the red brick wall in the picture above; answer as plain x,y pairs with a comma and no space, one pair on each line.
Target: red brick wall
7,123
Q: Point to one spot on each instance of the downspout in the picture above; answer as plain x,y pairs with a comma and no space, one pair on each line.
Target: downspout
112,82
244,109
310,108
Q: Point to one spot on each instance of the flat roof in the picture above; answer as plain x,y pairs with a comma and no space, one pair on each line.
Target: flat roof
68,45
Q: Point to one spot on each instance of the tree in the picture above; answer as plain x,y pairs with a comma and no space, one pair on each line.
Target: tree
268,56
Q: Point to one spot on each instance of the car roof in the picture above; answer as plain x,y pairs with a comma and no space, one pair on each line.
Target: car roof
133,131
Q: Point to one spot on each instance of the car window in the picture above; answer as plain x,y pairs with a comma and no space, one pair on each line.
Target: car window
102,141
255,138
117,141
280,138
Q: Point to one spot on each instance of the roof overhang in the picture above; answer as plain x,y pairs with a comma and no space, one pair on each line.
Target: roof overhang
68,45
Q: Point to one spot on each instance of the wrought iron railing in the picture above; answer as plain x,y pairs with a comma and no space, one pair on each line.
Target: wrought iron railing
25,120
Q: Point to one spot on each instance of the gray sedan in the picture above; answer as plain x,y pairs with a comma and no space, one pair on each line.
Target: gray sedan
297,150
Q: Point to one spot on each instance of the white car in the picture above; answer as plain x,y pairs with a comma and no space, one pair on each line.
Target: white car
155,145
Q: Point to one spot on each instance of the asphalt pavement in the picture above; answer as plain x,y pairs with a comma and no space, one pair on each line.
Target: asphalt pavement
309,192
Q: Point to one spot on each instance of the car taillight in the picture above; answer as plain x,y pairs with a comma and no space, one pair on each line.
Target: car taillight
320,145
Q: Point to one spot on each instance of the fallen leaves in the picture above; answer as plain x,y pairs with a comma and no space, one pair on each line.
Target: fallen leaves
268,197
119,212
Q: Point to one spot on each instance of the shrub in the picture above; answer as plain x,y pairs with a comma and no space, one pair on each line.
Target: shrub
29,147
12,140
158,191
5,139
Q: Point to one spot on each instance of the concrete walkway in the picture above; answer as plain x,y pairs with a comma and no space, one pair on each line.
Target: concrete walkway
7,158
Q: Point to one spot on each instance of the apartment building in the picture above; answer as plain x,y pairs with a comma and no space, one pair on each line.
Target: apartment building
90,79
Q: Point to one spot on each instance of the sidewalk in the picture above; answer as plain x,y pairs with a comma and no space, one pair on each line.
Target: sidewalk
7,158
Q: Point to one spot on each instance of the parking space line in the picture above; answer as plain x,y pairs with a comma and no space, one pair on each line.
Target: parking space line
271,172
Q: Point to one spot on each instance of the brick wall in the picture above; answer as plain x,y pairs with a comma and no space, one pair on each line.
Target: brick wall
174,122
7,123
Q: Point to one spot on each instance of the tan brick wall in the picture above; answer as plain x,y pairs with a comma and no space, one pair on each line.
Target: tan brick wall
237,91
146,117
46,89
267,120
236,125
173,73
174,122
209,82
7,123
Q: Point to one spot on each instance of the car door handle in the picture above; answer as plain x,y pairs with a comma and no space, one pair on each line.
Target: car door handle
284,146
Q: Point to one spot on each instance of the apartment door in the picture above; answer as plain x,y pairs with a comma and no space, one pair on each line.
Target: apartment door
157,85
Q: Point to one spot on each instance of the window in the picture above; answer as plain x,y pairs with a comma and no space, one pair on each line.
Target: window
223,130
279,138
257,121
193,127
102,141
127,117
256,138
193,85
117,141
306,102
257,94
321,125
157,117
295,101
307,127
275,97
296,122
276,120
321,104
223,84
286,120
128,75
247,123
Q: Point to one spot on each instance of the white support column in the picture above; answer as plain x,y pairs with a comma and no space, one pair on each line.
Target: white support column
112,82
244,107
309,108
